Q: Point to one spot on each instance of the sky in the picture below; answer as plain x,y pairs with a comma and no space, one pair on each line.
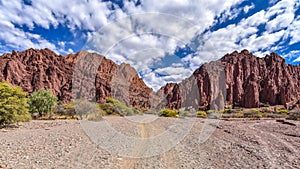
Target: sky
165,40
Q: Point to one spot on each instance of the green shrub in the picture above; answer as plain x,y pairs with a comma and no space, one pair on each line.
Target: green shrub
13,104
108,109
42,102
115,107
201,114
119,107
168,113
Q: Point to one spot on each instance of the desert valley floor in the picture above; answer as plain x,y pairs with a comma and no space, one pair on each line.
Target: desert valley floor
234,144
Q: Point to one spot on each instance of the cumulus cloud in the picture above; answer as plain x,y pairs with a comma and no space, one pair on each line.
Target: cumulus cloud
145,41
87,15
279,24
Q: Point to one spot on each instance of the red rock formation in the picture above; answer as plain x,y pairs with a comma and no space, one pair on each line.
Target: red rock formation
37,69
250,82
82,74
253,81
172,94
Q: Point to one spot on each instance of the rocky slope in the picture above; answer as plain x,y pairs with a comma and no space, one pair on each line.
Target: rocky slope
249,82
83,74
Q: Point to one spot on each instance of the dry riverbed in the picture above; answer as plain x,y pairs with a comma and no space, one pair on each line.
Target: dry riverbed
234,144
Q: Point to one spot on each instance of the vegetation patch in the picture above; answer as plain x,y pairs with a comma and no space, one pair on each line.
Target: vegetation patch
115,107
282,111
168,113
13,104
201,114
42,102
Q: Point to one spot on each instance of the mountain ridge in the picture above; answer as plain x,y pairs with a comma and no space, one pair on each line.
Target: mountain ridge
250,81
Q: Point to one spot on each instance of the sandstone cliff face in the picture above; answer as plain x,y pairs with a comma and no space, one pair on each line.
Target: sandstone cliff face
248,81
83,74
37,69
238,79
252,81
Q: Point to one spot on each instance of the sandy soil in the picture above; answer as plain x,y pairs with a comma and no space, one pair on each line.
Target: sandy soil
234,144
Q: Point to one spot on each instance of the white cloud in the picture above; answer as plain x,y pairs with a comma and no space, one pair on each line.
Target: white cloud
285,15
172,24
247,8
294,31
293,55
143,41
18,39
246,35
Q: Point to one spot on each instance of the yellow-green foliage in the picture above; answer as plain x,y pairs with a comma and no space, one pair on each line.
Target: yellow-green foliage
254,114
226,111
210,111
283,111
240,114
13,104
65,117
168,113
115,107
201,114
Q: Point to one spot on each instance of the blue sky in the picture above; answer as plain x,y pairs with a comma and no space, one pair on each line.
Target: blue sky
163,48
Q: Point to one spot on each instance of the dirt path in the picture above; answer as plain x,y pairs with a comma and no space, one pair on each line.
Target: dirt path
169,157
129,163
234,144
148,130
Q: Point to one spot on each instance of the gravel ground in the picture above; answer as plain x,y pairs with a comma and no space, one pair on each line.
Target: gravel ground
234,144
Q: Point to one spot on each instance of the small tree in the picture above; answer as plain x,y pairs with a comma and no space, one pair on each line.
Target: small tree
13,104
42,102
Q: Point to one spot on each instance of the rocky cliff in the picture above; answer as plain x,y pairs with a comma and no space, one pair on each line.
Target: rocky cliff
238,79
83,74
249,81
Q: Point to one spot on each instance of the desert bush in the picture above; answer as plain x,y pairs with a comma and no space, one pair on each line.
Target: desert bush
59,109
84,107
184,113
95,116
108,109
168,113
69,109
254,114
201,114
115,107
64,117
13,104
282,111
240,114
42,102
120,108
